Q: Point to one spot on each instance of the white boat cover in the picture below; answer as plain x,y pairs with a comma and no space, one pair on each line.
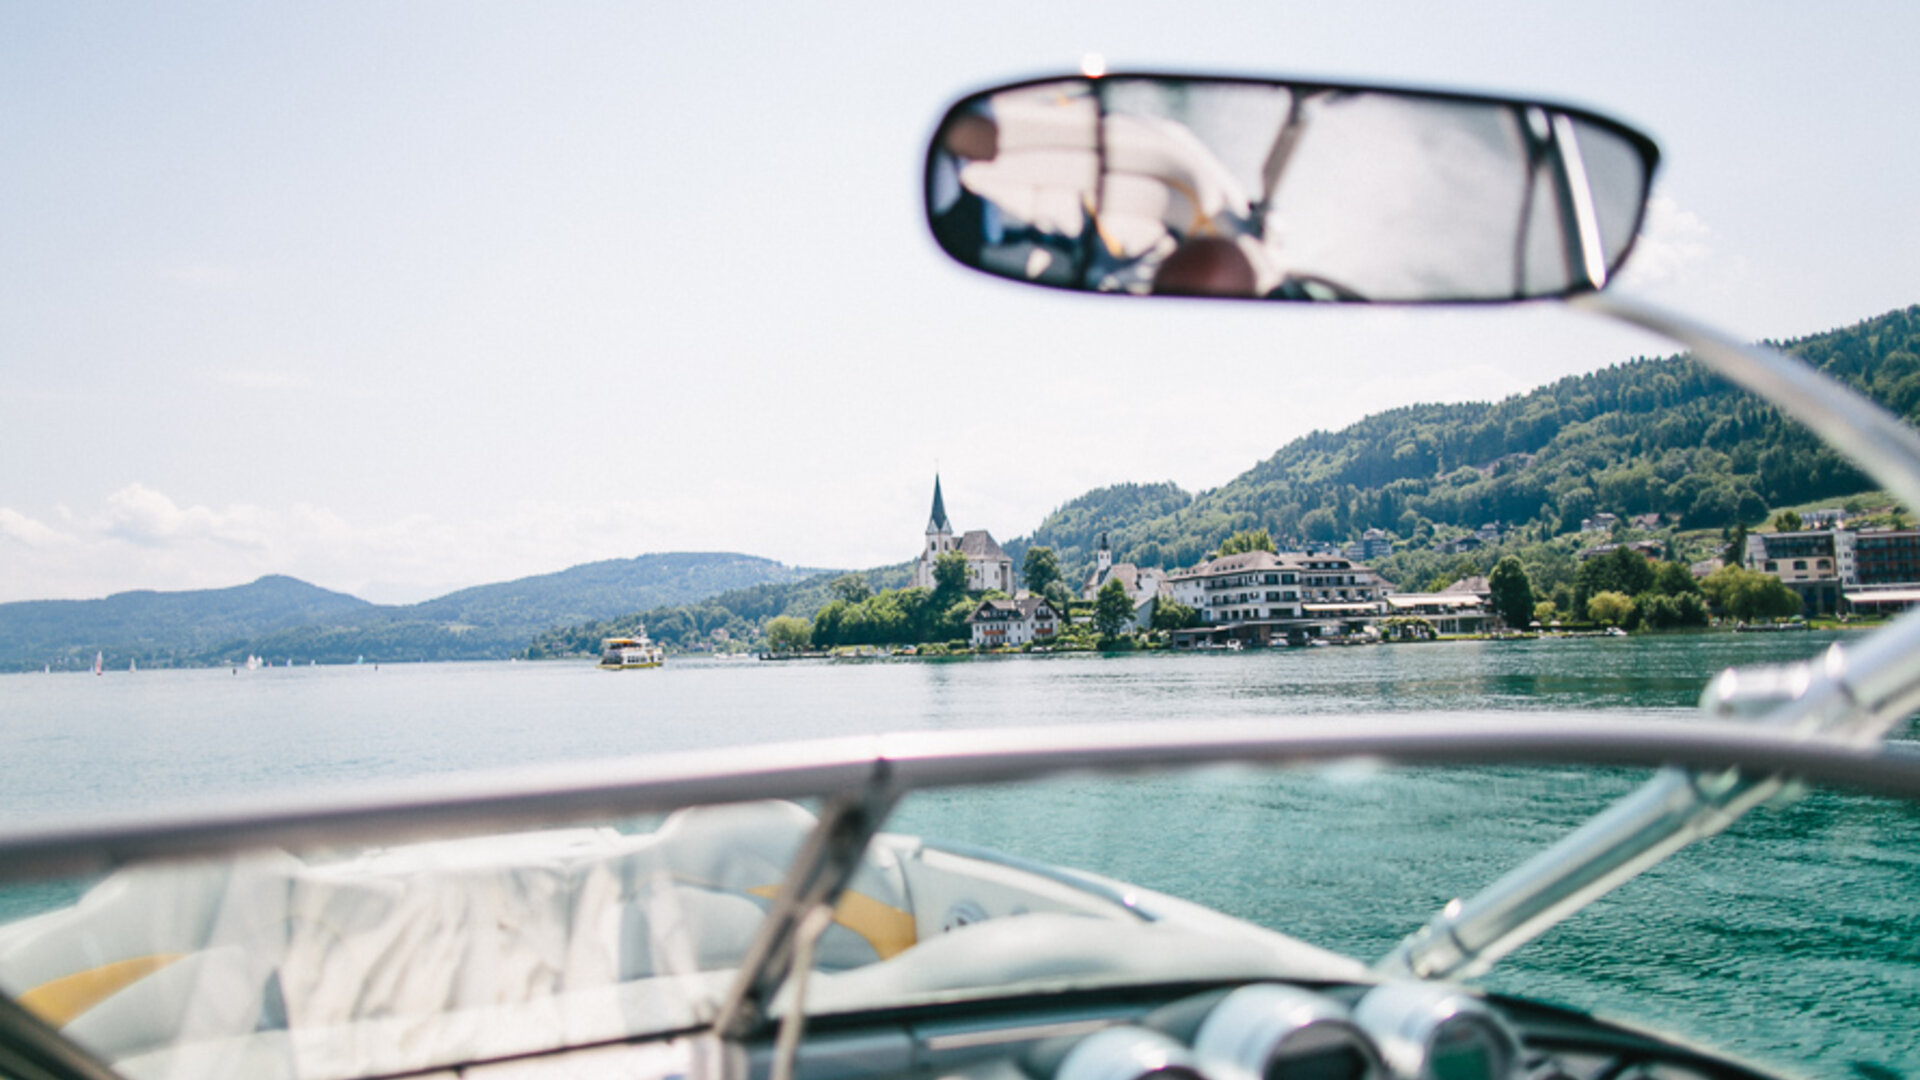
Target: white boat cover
419,956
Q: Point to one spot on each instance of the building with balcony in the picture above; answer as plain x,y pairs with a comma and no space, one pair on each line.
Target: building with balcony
1817,564
1886,570
1866,570
998,623
1256,597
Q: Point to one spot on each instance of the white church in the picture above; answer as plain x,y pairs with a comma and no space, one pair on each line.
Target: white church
988,567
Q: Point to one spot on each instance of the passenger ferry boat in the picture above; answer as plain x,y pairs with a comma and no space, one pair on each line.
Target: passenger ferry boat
620,653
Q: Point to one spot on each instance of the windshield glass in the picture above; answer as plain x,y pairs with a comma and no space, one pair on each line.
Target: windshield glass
340,963
1797,907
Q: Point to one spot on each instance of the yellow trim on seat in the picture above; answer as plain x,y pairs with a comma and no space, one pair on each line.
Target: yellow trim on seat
888,929
58,1001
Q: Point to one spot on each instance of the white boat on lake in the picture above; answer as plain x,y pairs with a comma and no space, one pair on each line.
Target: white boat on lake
620,653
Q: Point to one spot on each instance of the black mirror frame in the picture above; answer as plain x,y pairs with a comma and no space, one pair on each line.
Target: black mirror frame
1648,150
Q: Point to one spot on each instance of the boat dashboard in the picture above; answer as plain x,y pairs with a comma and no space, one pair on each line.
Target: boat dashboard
1263,1030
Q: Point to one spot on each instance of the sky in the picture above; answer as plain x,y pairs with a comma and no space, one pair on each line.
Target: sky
400,298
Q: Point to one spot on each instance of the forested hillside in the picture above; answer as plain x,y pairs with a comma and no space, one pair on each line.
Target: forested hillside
1650,435
739,615
526,606
1074,529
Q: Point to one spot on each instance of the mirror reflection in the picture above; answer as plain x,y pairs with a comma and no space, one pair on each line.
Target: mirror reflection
1211,187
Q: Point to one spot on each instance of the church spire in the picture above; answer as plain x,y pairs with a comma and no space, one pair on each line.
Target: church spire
938,522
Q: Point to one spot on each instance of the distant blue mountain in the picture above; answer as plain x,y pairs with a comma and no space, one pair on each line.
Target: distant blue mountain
283,618
158,627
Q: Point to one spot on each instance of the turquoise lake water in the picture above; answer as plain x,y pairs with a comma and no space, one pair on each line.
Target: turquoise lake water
1794,939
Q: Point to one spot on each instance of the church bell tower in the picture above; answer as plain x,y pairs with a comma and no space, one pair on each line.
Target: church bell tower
939,529
939,539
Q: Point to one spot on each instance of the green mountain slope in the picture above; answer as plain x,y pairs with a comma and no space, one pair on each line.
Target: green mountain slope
521,608
739,615
1073,530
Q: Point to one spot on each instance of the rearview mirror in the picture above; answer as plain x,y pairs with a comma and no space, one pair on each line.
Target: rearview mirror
1284,191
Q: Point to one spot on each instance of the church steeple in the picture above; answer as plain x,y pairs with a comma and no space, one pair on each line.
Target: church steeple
938,523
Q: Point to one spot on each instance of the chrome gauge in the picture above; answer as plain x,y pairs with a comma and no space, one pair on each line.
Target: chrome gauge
1128,1053
1278,1032
1431,1031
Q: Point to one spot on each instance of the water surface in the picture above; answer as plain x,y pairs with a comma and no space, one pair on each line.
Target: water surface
1793,939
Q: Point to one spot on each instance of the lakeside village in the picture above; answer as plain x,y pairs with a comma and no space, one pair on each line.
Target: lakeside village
1249,594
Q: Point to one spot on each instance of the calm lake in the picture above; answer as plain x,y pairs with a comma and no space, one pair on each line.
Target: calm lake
1793,939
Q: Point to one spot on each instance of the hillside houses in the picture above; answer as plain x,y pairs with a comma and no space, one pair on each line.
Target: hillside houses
1142,584
1250,598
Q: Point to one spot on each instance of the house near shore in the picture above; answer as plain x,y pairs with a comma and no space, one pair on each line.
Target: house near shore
1256,597
1266,598
1447,612
988,567
998,623
1464,607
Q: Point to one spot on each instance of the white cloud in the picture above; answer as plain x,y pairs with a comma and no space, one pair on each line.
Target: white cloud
141,538
139,514
1673,243
21,529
